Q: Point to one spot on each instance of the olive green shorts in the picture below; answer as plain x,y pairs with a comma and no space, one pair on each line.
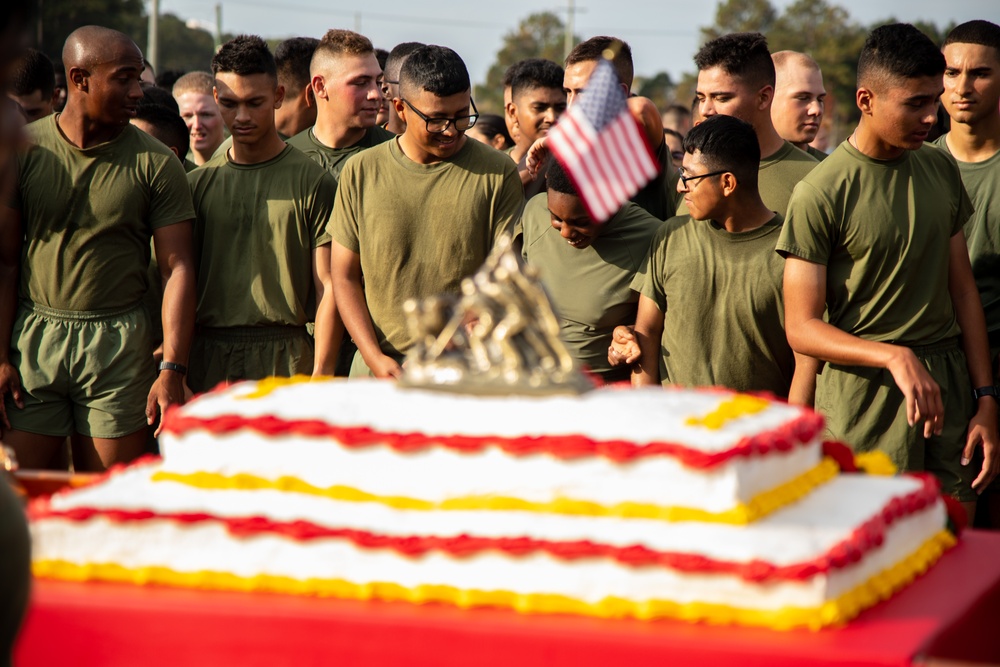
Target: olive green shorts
232,354
866,410
82,372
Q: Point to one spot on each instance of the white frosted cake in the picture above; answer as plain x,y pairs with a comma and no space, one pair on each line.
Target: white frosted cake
700,505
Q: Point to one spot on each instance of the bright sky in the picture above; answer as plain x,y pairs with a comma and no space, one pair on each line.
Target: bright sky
663,33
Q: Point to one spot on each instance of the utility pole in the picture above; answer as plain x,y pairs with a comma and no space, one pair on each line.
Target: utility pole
357,22
218,25
571,12
153,42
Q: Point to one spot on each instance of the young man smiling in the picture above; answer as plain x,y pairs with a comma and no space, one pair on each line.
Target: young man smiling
972,99
878,281
586,267
90,193
263,252
200,112
799,100
721,254
537,101
417,214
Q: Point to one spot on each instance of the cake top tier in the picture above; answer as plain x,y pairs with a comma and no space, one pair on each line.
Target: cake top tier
702,428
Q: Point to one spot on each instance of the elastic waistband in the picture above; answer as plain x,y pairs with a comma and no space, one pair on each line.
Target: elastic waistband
945,345
237,334
80,315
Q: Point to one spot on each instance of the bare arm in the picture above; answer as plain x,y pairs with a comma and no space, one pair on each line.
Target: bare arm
10,261
803,389
329,331
808,334
969,312
648,331
350,300
175,256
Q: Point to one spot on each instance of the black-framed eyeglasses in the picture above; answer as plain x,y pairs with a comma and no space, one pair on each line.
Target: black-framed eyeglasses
687,179
438,125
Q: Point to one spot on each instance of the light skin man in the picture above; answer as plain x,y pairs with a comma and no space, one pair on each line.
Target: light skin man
103,73
799,99
200,111
32,85
926,344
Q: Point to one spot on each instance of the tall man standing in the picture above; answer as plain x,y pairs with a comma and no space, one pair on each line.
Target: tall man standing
417,214
263,252
878,281
90,194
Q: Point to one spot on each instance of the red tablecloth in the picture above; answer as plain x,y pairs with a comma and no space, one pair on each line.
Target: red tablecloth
952,612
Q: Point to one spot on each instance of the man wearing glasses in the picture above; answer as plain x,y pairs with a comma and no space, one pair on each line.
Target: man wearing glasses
417,214
710,304
390,82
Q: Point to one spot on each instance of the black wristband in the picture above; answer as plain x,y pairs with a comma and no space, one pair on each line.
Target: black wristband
990,390
170,366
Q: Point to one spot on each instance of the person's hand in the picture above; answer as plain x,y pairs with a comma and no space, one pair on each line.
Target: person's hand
536,156
923,396
386,368
624,347
10,381
169,389
983,430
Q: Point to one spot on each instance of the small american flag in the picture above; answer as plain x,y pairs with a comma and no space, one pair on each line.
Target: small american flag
602,147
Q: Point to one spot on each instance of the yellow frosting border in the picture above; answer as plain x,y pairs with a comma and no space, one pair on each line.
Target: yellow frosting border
759,506
833,612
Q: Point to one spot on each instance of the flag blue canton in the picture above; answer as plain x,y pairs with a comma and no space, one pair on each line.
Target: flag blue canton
602,100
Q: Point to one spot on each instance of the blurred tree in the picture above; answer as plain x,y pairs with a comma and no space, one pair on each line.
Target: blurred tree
538,36
61,17
184,48
659,88
741,16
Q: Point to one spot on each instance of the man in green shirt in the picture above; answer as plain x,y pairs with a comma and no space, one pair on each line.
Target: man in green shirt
537,101
77,356
972,99
586,267
710,310
799,100
260,233
736,78
873,238
417,214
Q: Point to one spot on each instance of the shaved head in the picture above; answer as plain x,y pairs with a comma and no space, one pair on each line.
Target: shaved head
94,45
785,59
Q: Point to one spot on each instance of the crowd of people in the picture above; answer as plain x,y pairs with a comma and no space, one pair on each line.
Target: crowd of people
271,214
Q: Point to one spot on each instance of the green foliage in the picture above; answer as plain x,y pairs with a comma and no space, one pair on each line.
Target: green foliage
540,35
61,17
741,16
659,88
183,48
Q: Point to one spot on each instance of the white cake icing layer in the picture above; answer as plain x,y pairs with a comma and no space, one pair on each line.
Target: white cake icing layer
437,473
796,534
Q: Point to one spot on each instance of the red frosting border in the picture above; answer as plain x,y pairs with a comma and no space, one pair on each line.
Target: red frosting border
866,537
798,431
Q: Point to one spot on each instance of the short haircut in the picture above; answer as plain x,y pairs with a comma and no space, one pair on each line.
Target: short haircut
33,71
556,180
491,125
534,73
783,58
292,58
726,142
594,48
168,77
436,69
194,82
898,51
170,127
983,33
396,57
381,55
157,95
673,133
245,55
743,55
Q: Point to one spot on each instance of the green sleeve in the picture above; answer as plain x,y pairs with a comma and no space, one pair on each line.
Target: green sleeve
808,232
965,209
343,227
508,203
655,271
170,196
322,213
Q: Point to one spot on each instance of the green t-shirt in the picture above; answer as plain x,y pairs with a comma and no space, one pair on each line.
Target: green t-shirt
723,314
816,153
882,228
88,215
659,196
333,159
982,231
420,229
776,178
590,288
256,226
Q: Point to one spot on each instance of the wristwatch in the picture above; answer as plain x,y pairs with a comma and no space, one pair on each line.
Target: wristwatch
178,368
990,390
